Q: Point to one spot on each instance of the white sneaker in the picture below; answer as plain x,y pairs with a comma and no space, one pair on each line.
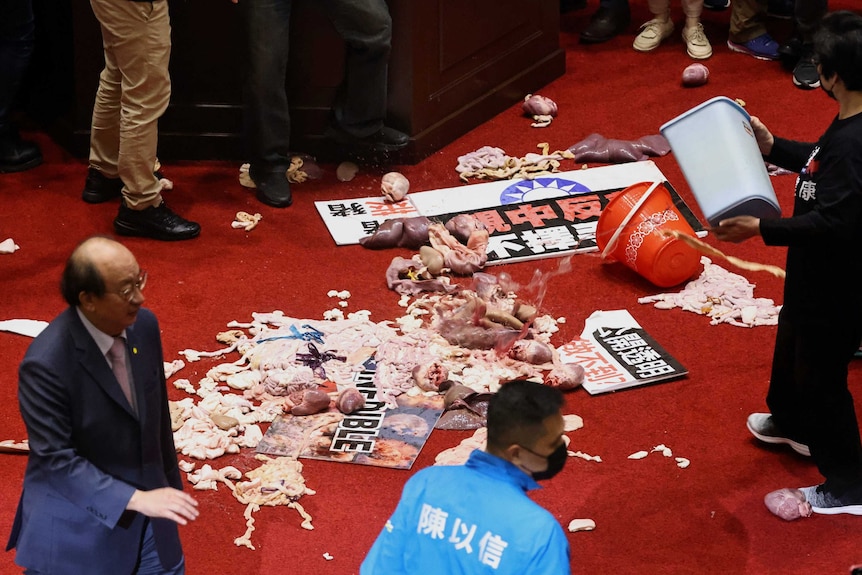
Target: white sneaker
697,45
652,34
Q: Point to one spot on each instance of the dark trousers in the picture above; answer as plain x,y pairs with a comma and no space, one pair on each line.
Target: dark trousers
806,17
16,46
616,5
360,106
149,563
810,400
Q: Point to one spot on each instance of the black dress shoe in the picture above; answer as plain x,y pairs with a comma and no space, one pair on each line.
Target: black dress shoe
384,140
99,188
273,189
605,24
17,155
156,222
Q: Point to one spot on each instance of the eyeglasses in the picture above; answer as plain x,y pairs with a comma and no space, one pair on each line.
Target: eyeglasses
128,293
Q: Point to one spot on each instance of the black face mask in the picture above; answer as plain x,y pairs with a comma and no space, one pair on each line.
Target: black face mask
829,92
556,461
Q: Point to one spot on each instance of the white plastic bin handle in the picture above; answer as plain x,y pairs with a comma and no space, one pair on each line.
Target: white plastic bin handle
613,241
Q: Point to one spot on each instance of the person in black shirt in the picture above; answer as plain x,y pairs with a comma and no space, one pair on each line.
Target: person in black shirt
820,323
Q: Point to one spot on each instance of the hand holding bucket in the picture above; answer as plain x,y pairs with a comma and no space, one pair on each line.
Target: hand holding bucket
632,220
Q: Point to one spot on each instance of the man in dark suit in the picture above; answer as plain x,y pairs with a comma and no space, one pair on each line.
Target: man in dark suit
102,491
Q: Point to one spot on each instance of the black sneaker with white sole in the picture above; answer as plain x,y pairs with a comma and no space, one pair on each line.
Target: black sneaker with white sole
825,503
763,428
805,74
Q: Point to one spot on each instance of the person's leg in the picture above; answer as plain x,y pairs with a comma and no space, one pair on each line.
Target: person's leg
617,5
17,37
653,32
103,181
16,46
747,20
105,123
807,15
696,42
149,562
692,10
570,5
748,33
798,52
136,37
266,118
137,42
784,397
366,27
827,411
359,110
265,112
611,19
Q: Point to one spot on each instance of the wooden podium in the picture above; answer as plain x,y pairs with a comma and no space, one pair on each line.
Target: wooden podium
454,65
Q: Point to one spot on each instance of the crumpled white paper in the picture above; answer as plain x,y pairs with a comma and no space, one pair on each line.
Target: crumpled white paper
8,246
28,327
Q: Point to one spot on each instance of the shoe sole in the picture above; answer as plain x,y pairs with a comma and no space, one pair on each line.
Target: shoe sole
601,39
352,146
805,86
799,448
11,169
264,199
645,50
742,50
848,509
699,57
94,198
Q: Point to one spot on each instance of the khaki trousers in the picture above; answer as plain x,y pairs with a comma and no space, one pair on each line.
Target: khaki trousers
134,91
747,20
691,8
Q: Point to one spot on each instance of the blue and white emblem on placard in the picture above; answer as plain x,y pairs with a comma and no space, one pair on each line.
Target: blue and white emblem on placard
540,189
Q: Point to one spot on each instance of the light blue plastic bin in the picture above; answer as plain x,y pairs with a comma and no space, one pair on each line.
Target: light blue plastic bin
715,147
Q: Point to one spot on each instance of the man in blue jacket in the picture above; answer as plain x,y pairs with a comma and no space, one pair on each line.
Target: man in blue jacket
477,517
102,490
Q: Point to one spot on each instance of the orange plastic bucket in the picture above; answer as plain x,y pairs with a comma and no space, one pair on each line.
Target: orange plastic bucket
628,231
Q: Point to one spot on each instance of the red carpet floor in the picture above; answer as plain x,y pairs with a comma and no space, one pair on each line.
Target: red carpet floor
651,516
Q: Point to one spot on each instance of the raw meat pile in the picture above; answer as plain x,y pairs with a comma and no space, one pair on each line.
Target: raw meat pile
491,163
461,343
471,338
724,296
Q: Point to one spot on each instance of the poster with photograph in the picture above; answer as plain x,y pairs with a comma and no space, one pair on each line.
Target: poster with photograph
378,434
